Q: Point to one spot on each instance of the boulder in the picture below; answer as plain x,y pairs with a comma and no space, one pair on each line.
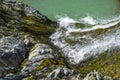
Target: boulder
12,53
37,55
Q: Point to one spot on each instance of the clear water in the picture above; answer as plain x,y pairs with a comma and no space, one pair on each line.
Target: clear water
76,9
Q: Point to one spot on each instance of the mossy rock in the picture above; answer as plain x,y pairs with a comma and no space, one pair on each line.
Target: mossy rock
107,65
15,15
35,26
48,62
48,65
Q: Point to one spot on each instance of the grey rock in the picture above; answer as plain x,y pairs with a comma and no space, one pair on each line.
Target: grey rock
38,53
107,78
75,77
62,73
10,77
30,40
12,53
94,75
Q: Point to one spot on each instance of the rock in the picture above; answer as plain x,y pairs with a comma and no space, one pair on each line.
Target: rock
41,51
62,73
25,18
10,77
30,40
96,76
107,78
75,77
2,21
29,26
12,53
38,53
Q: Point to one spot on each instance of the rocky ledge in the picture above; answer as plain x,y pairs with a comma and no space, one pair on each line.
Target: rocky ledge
26,52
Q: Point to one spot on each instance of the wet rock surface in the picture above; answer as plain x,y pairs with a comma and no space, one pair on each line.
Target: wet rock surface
26,52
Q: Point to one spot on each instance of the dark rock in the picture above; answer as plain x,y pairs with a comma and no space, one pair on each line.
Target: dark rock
2,21
12,53
23,17
10,77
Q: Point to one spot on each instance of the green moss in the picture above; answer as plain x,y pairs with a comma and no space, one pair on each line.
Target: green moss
33,24
49,62
29,78
23,63
107,65
70,41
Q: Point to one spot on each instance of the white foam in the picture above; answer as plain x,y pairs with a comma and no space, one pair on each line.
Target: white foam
94,46
98,46
88,20
66,21
102,26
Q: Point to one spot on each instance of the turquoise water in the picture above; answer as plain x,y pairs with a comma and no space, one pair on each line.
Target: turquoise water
76,9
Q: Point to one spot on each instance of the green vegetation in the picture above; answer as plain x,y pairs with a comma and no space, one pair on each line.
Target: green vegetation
49,62
107,65
33,24
49,65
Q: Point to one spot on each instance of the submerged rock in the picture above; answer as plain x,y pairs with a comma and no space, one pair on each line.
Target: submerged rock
12,53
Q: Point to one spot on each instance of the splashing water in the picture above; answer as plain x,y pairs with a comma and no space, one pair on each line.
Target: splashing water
82,43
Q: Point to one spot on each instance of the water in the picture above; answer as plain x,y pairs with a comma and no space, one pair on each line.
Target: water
76,9
86,27
79,44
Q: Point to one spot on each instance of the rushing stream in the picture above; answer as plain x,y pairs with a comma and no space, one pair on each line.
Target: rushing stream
81,43
93,26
